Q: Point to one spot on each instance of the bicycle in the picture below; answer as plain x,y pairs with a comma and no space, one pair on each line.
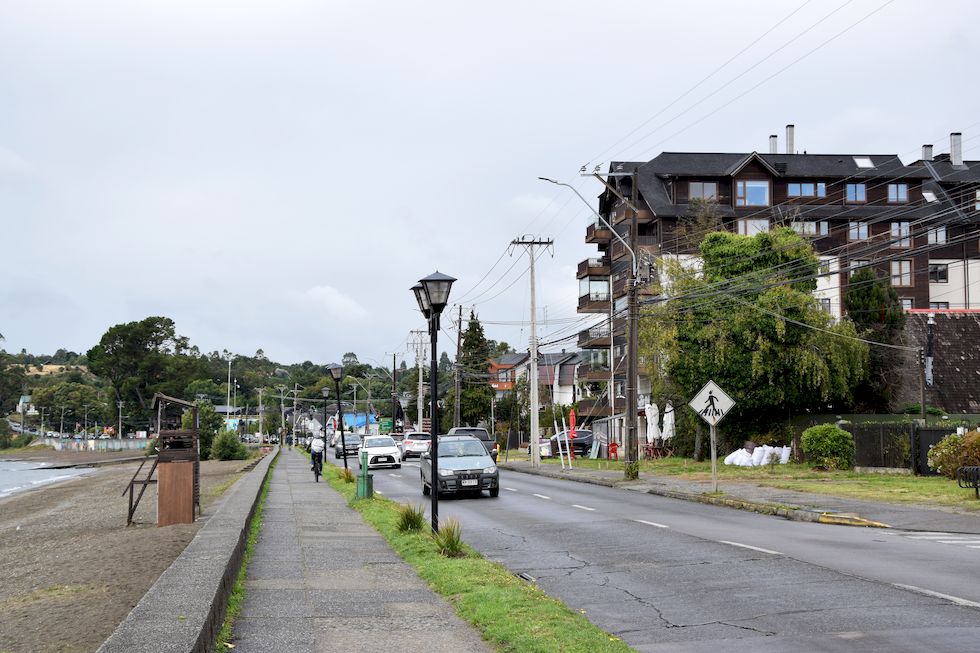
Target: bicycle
317,466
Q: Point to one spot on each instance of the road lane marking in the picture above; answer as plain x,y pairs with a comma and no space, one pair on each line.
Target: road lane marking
958,541
378,492
754,548
510,489
939,595
541,496
575,505
395,475
651,523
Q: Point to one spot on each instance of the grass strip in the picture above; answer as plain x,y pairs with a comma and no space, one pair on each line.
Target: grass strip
511,614
237,597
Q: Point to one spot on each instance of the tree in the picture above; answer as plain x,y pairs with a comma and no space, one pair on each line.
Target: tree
11,383
73,397
134,357
750,323
874,307
475,391
210,424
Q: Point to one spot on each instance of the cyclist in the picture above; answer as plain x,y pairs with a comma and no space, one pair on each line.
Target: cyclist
316,451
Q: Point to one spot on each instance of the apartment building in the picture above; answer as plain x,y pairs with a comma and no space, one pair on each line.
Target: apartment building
915,223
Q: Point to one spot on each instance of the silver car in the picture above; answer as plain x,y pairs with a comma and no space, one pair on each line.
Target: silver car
464,465
414,444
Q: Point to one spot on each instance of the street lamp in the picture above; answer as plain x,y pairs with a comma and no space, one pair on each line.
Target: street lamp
632,441
337,372
432,295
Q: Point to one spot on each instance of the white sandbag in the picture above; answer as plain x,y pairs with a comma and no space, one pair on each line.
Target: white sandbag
730,458
767,454
784,456
757,456
743,459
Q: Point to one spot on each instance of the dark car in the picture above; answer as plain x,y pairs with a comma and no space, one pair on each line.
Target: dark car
353,445
480,434
464,466
581,442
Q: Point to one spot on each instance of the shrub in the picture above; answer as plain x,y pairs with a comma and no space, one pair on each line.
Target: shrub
829,446
411,518
944,456
227,447
347,475
970,451
449,539
916,409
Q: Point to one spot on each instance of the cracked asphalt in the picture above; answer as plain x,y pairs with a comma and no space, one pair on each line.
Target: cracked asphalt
669,575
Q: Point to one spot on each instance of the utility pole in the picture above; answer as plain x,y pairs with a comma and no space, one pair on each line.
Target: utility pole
261,410
632,364
119,432
456,368
394,391
530,244
228,398
419,342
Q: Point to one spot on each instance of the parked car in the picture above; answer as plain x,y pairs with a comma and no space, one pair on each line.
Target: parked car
381,451
464,465
414,444
352,442
581,442
480,434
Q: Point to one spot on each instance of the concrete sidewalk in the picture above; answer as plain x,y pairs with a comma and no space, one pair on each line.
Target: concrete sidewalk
801,506
320,580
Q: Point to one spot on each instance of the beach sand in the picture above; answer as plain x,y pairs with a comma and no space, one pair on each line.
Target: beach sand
71,570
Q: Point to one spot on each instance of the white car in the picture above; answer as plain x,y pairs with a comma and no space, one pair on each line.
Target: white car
415,443
381,451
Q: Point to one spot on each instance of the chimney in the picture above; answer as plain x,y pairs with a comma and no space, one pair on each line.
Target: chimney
790,139
956,148
927,152
773,147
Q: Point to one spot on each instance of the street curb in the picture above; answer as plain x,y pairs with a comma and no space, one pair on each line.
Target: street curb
185,608
777,510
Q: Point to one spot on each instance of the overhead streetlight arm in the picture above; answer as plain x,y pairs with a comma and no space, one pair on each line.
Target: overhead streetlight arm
601,219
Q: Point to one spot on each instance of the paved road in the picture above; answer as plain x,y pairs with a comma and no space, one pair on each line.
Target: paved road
673,575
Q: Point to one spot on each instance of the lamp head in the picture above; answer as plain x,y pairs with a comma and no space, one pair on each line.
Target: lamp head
325,391
422,300
336,371
437,286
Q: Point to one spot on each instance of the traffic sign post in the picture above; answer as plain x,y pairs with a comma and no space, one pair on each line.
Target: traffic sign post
712,404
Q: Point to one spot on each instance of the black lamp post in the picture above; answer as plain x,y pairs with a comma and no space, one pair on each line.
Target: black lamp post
326,394
337,372
432,294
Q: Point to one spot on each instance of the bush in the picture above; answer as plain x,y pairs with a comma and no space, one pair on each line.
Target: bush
347,476
944,456
449,539
828,446
916,409
227,447
970,451
411,518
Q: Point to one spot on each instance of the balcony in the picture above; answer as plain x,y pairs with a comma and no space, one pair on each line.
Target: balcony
622,214
593,266
595,372
598,233
589,408
597,336
594,302
647,243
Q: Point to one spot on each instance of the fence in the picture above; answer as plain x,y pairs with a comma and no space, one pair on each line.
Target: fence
882,445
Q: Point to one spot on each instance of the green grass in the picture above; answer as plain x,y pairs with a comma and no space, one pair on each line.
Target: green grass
511,614
887,488
237,596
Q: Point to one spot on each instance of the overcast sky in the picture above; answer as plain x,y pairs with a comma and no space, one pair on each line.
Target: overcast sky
277,174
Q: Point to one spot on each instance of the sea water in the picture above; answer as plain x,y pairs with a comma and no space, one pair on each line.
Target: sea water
21,476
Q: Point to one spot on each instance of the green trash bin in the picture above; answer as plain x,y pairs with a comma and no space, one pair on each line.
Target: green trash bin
365,481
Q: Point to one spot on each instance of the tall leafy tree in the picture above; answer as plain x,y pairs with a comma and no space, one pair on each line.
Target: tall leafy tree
874,307
475,391
750,323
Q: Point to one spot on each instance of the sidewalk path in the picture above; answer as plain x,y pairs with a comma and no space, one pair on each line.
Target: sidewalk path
321,580
790,503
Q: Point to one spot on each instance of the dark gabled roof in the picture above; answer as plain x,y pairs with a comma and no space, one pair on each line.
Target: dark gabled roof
969,172
509,360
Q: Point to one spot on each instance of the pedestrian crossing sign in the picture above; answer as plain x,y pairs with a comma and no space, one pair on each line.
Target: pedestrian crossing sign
711,403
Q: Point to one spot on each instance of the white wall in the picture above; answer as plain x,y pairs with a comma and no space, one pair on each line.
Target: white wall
953,290
829,287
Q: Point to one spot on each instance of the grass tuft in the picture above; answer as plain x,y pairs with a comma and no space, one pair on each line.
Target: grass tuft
449,539
411,518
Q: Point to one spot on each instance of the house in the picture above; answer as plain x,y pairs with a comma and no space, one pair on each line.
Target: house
503,372
25,407
557,375
914,223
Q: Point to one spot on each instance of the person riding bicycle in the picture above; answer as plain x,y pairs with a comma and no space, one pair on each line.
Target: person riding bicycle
316,451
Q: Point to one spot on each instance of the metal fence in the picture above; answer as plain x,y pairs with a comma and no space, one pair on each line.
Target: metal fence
882,445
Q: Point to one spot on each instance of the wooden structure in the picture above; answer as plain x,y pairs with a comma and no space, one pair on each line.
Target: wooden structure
178,457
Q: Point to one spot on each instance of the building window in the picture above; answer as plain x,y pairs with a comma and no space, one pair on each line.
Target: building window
806,189
906,303
857,231
937,236
901,273
901,234
824,267
594,289
856,193
752,193
898,193
752,226
939,272
503,376
825,304
811,227
702,190
939,306
976,202
858,263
